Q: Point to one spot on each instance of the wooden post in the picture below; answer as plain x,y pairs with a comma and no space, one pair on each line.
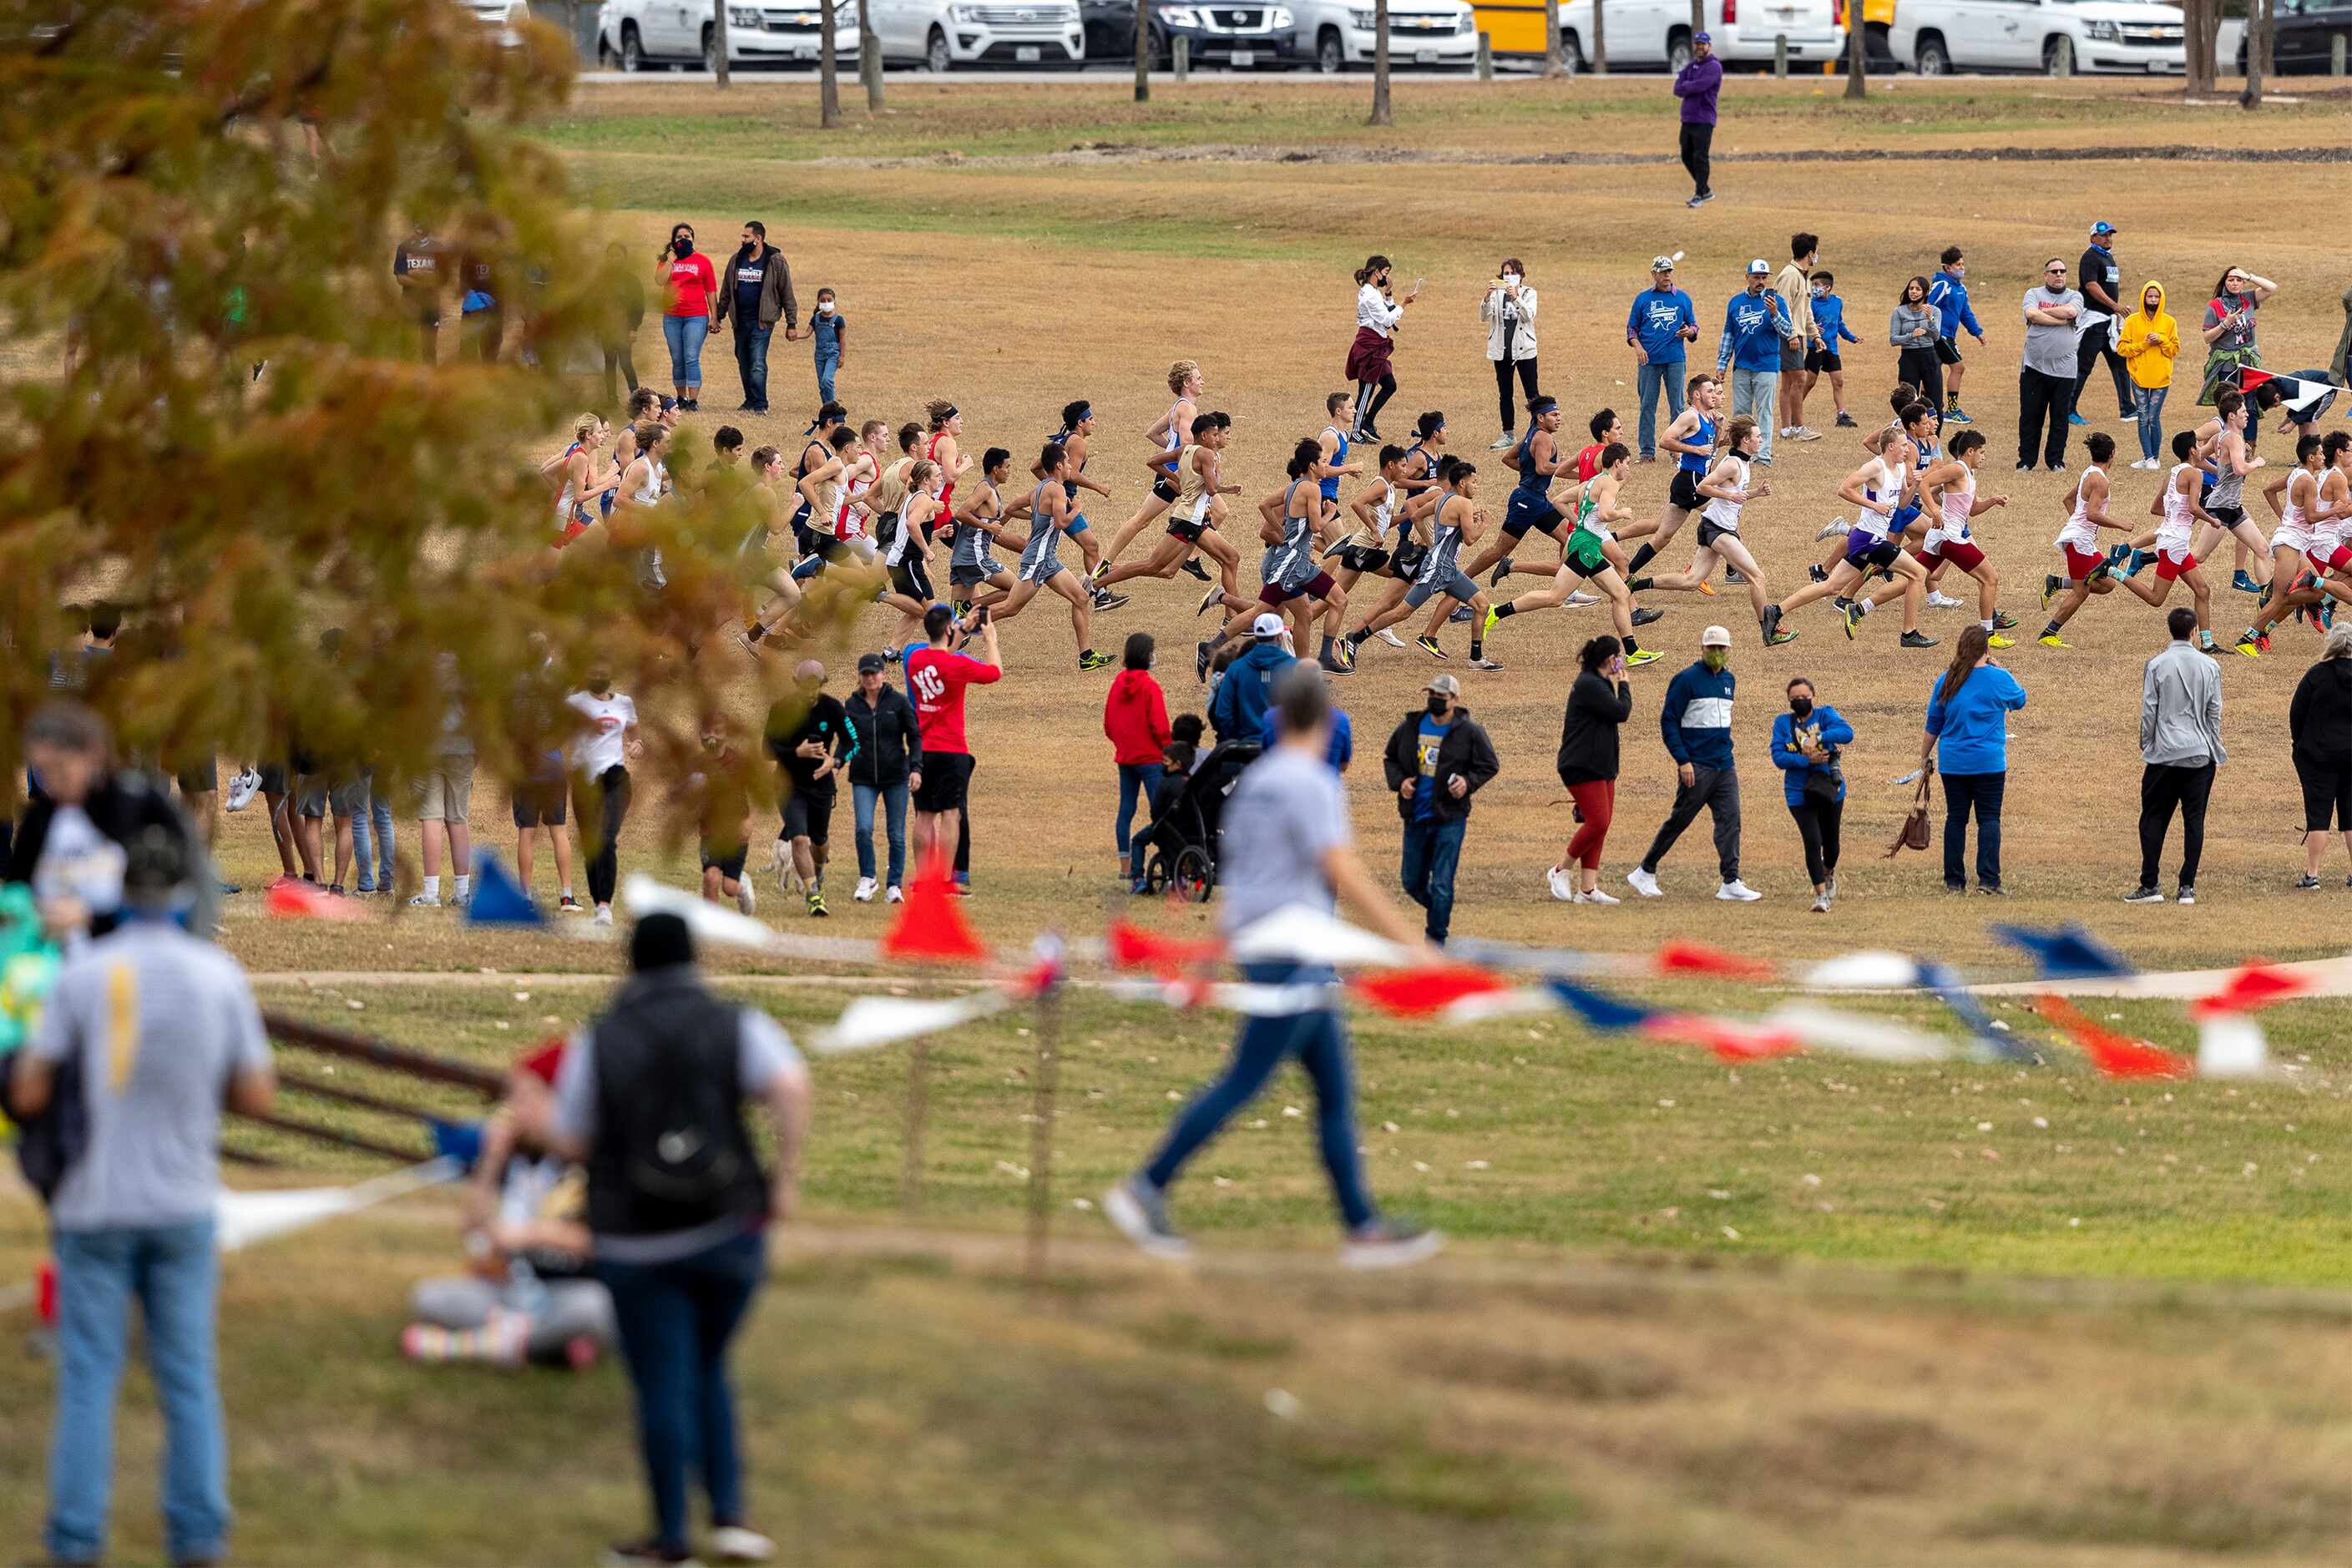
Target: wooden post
1381,115
718,43
869,55
2335,54
1600,41
828,72
918,1087
1182,49
1857,56
1042,1084
1780,57
1143,51
1486,56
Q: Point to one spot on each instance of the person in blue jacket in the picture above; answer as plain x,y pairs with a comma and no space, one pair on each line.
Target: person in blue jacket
1696,722
1949,292
1238,710
1805,742
1661,321
1755,324
1829,316
1967,742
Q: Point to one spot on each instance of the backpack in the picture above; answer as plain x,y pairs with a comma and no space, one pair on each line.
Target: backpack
49,1145
682,1130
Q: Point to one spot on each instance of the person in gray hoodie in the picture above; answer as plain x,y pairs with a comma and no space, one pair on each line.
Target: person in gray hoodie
2180,742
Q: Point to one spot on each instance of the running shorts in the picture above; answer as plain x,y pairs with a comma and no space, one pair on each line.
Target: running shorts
912,578
1043,570
1709,531
2326,794
1365,560
2171,564
2081,563
1455,585
539,801
1530,509
1823,359
1584,556
946,775
1791,358
1318,586
1076,525
972,576
1406,564
1684,491
1900,523
1872,553
198,775
727,863
1164,489
2329,558
1186,529
1960,553
2227,516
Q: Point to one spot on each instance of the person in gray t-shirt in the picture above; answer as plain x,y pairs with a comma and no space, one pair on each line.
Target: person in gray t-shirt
1285,842
2045,381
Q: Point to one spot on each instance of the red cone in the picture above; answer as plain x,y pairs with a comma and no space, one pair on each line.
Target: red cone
932,923
1132,947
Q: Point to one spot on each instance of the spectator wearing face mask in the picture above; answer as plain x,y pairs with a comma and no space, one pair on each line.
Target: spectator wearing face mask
1437,759
1509,311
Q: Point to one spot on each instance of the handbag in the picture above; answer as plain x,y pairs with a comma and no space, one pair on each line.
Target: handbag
1916,834
1820,788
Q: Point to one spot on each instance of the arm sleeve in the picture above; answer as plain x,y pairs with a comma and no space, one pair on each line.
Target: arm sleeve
765,1053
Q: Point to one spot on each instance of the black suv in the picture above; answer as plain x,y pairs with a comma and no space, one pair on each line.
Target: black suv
1241,37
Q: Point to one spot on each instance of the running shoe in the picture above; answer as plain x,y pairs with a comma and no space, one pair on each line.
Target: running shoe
1780,638
1845,421
1580,600
864,893
1101,570
1107,600
1390,637
1214,594
2205,643
627,1553
1820,903
1735,892
1597,897
1805,433
1853,619
1830,529
2248,646
1201,662
1563,884
1642,617
2188,895
2117,554
2263,642
421,901
1841,604
1140,1212
1817,572
817,911
1388,1244
1335,666
1955,414
1090,660
2052,639
1997,640
2245,585
1460,618
1919,639
241,790
1937,600
1193,567
568,905
2077,419
1641,585
2002,621
1429,645
1731,574
1494,618
2050,583
894,894
1502,570
1707,588
604,915
2143,896
1701,199
1645,883
2307,883
734,1544
1641,657
747,897
1483,662
1504,442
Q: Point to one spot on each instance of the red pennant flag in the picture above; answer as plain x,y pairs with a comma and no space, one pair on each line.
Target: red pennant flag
1690,958
301,901
1729,1039
931,925
1418,993
44,1293
2249,989
2111,1053
1132,947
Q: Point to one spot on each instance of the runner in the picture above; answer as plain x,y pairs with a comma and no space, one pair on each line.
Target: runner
2176,505
1379,510
1538,460
886,505
1291,519
909,557
2221,448
1200,491
1949,488
1585,556
816,451
945,422
1331,462
1455,518
977,521
581,483
1172,434
768,551
2087,570
1049,510
2314,517
835,520
1378,312
1077,429
1727,489
1691,439
1422,457
1877,491
645,486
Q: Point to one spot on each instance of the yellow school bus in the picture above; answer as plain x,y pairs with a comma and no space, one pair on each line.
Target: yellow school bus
1522,28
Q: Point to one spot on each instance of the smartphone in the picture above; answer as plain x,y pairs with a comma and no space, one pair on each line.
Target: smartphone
1419,284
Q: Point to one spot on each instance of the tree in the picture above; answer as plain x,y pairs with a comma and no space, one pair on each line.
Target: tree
1857,53
1143,51
1555,48
1600,42
1381,115
869,55
2261,15
1698,18
2201,22
718,43
828,74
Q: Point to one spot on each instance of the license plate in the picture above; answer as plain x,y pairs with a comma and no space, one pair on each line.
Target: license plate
1028,54
1244,58
804,51
1425,58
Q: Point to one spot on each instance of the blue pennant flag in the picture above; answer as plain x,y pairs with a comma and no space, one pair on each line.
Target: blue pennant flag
2070,953
1945,982
1598,1010
498,900
458,1141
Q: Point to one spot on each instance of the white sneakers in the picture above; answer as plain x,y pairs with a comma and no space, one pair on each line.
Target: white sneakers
2146,463
1645,883
864,893
1390,638
734,1544
1563,886
1580,600
1735,892
894,896
1820,903
1938,600
1596,897
1504,442
241,790
603,914
747,897
1830,529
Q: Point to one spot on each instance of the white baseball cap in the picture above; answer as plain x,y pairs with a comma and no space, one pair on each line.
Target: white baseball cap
1715,637
1759,268
1266,625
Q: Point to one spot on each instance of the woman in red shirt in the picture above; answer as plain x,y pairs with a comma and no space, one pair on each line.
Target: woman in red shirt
687,283
1135,717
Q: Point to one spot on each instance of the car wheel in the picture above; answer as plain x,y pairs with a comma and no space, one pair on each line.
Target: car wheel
633,48
1933,59
1158,51
2058,56
1678,49
710,50
604,54
1328,58
935,53
1572,49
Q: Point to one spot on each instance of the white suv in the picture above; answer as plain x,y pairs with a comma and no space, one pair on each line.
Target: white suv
1336,34
942,36
2138,37
635,34
1658,32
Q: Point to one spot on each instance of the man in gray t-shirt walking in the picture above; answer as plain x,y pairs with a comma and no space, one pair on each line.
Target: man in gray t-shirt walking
160,1028
2045,382
1285,841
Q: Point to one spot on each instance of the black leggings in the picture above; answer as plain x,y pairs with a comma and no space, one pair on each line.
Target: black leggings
1922,368
1371,396
599,806
1819,824
1527,368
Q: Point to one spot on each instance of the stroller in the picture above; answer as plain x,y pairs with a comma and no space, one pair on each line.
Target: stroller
1184,832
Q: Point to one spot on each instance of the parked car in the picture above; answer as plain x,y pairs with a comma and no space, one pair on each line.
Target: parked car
640,34
2059,37
506,16
944,34
1241,36
1336,34
1658,32
2301,34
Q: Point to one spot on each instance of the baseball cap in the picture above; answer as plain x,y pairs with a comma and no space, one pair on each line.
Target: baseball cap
1444,686
872,664
1759,268
1661,264
1701,39
1715,637
2101,227
1266,626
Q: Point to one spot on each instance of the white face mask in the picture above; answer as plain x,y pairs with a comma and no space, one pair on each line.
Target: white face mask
825,307
1510,277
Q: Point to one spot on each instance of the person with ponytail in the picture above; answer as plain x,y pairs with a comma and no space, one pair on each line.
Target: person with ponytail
1599,704
1378,312
1967,739
687,283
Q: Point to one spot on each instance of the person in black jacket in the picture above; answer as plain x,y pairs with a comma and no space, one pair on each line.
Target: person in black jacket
885,762
1598,704
1437,760
2319,721
71,847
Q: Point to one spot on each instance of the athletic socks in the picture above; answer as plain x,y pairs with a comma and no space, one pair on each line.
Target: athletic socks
1642,557
433,887
464,881
1988,627
2050,630
1504,612
1477,647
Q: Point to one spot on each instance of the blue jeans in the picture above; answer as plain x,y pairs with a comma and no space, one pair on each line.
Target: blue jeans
1136,780
1320,1040
674,1321
376,871
1757,394
751,359
1432,850
174,1272
1981,793
894,807
1670,376
684,334
2147,403
827,362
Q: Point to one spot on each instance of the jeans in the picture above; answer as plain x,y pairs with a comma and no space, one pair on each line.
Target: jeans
1432,850
1697,141
675,1320
2147,407
1136,780
373,851
2095,347
1818,825
2041,397
599,806
1320,1040
1981,793
827,362
1504,370
2161,787
1757,394
1652,377
685,334
173,1271
893,805
751,359
1717,789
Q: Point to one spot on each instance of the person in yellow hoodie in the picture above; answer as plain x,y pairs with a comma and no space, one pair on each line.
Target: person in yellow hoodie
2150,340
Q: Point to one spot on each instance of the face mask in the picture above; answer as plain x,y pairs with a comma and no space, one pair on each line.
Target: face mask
1437,705
684,247
1715,658
825,307
1510,277
1802,707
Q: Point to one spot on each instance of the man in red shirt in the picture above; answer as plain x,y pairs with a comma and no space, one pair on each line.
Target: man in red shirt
935,679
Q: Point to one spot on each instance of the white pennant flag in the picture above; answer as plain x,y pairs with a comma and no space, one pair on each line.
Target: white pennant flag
1852,1035
241,1219
705,920
1303,935
871,1022
1871,969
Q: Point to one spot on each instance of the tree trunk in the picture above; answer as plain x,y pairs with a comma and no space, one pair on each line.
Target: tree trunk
828,74
1143,51
1698,18
1600,41
718,44
2199,20
2260,14
869,55
1381,115
1555,48
1857,53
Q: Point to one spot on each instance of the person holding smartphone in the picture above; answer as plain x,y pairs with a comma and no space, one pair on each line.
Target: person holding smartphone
1509,312
1378,312
2230,332
1599,704
687,283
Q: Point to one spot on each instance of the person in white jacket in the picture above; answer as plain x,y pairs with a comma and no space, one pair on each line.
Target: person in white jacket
1509,311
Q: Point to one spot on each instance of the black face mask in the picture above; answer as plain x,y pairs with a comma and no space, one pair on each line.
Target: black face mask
1438,706
1802,707
684,248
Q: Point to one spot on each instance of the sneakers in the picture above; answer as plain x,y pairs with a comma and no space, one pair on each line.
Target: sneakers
1820,903
1562,883
1853,619
1735,892
2077,419
1504,442
1107,600
1707,589
1192,568
603,914
2307,883
2240,581
1460,618
1200,652
734,1544
893,895
1942,601
1919,639
1140,1211
1997,640
1090,662
247,784
1830,529
1483,662
1429,645
747,897
1817,572
1214,594
817,911
2248,646
1845,421
1805,433
2002,621
629,1553
1700,200
1641,657
1502,570
421,901
2140,561
1956,415
864,893
2052,639
2050,583
1494,618
1388,1244
1645,883
1390,637
568,905
2143,896
1597,896
1643,617
2188,895
1580,600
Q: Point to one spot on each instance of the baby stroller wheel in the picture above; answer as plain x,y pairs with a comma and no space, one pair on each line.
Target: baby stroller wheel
1194,875
1155,874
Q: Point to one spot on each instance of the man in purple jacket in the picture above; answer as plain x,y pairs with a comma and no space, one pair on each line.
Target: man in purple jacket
1696,84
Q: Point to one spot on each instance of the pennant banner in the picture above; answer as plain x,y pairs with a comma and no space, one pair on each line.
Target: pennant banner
870,1022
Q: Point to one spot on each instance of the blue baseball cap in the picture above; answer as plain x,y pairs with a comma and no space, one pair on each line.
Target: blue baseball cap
1701,39
2101,228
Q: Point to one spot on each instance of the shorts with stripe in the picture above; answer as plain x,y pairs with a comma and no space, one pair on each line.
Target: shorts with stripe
1871,551
1530,509
1684,491
1363,559
1709,531
912,578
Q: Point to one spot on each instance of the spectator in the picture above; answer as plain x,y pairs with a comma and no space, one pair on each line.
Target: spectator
1598,705
1967,740
1805,742
1696,84
1237,708
536,726
372,845
481,316
1437,759
2319,727
2180,742
1135,718
809,735
1508,310
885,743
687,281
1696,720
650,1099
1949,292
2045,381
605,741
936,679
444,794
723,804
1829,319
2102,283
151,1030
1794,285
416,267
829,328
1911,329
1661,321
2151,340
623,313
1339,751
70,846
759,293
1756,328
2229,345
